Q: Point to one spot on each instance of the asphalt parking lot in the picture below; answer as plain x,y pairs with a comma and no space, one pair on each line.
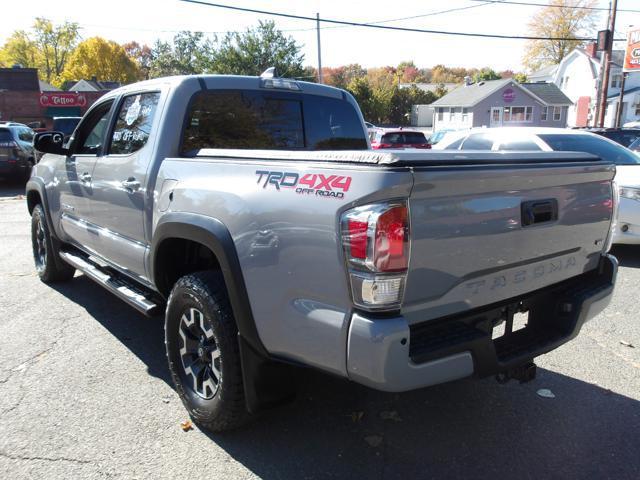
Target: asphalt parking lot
84,393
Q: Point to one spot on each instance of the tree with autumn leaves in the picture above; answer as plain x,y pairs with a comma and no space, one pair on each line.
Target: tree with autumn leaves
563,20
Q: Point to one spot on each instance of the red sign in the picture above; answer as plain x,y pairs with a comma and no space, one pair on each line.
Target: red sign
632,55
509,95
50,99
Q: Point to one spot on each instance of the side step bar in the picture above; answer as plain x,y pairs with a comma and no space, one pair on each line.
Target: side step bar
125,290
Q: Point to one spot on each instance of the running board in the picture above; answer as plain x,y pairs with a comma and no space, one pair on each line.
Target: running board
125,290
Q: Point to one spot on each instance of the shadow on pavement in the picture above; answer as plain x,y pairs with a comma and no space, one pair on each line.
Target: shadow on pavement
465,429
143,336
10,188
627,255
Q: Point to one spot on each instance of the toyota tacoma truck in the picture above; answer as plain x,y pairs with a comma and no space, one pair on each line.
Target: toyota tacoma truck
253,213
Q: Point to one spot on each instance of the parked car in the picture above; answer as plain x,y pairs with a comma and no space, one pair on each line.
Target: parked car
557,139
623,136
16,150
253,215
439,135
398,139
66,125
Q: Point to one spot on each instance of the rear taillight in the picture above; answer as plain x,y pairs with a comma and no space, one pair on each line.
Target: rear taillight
424,145
376,244
381,145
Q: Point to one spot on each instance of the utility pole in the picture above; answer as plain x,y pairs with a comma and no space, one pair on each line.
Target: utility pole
319,49
606,65
620,101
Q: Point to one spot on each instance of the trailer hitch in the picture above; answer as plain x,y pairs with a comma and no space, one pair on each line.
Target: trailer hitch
523,373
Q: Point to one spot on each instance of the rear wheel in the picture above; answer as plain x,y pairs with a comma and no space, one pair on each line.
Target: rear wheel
49,265
202,349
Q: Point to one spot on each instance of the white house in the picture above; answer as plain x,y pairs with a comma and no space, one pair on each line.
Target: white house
577,76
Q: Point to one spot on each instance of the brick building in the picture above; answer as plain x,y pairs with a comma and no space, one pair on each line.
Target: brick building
25,99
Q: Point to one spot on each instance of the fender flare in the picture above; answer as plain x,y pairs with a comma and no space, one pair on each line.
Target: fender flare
213,234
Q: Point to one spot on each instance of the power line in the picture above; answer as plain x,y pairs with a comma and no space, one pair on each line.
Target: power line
531,4
383,27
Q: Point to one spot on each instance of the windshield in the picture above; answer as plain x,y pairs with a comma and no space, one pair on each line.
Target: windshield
635,145
65,125
594,145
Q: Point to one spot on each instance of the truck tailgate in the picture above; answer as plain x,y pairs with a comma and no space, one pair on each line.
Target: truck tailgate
481,234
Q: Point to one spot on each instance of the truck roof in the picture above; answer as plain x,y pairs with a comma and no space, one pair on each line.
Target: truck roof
224,82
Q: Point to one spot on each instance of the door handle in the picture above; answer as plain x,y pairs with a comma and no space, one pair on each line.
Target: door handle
85,178
131,184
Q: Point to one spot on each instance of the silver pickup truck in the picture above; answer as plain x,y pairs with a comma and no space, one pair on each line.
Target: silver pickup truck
254,214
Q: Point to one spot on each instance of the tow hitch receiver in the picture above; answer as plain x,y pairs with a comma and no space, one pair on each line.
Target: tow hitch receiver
523,373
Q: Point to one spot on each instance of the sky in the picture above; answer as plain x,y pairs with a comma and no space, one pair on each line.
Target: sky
147,20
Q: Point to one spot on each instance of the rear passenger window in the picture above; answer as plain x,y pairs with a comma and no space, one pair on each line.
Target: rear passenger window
270,121
480,141
133,123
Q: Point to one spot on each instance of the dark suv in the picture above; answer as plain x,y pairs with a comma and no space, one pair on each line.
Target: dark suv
623,136
16,150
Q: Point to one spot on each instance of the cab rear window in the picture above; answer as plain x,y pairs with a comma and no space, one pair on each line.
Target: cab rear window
270,121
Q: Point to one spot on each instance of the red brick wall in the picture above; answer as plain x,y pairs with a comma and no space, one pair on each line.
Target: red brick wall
24,106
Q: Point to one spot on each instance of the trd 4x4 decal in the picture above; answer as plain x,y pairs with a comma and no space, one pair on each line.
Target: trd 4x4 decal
318,184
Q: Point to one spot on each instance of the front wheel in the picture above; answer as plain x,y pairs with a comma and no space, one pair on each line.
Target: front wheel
49,265
201,338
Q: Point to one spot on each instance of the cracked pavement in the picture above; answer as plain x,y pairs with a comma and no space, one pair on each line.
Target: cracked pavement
85,393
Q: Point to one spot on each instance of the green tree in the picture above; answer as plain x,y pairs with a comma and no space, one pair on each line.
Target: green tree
403,99
561,19
256,49
56,44
46,47
103,59
189,53
360,88
19,49
486,74
520,77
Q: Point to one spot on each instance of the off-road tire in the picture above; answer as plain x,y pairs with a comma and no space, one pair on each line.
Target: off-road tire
206,292
46,254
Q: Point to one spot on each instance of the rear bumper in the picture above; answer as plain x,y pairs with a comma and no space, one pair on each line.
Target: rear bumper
388,354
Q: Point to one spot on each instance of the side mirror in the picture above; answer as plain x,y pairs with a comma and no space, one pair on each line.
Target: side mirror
50,142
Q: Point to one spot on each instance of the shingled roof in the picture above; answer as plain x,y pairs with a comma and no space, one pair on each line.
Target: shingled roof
469,95
549,93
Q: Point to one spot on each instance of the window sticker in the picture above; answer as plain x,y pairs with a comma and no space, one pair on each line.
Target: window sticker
133,112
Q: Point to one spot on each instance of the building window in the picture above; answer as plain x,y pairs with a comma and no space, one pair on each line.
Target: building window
557,114
440,114
465,114
616,80
637,110
451,114
518,114
543,114
495,113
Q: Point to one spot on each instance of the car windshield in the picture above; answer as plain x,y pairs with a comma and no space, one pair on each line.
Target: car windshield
591,144
635,145
404,138
65,125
